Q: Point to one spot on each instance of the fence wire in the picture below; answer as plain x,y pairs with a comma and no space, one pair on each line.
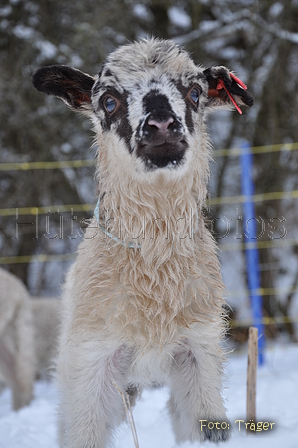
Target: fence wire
63,164
278,195
272,196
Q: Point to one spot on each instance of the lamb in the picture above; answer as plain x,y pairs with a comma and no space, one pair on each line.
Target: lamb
143,302
46,325
17,356
28,337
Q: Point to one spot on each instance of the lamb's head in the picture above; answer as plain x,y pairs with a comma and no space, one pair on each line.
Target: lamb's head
148,102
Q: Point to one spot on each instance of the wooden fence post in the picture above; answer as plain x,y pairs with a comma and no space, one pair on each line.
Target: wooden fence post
252,363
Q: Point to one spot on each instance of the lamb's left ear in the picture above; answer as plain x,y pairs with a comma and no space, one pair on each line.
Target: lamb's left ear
226,89
69,84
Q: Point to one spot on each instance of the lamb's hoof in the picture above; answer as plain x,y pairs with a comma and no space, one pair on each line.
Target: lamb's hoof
215,431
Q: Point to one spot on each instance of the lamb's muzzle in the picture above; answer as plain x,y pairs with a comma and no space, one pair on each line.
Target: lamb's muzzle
162,139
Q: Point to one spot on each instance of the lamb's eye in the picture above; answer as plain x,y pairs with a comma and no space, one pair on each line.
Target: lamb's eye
195,95
110,104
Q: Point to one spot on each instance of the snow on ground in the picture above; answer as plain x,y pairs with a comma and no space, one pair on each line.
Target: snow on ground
277,402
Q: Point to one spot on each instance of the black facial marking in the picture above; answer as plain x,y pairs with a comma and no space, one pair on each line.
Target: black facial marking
155,100
124,131
189,107
123,128
189,120
108,73
161,138
96,88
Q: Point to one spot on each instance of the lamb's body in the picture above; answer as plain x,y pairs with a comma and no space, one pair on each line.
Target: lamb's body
28,337
17,355
46,323
143,301
126,328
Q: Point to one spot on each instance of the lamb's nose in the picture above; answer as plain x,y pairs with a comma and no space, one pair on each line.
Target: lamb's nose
161,125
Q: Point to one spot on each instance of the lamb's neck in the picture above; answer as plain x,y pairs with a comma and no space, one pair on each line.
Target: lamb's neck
158,213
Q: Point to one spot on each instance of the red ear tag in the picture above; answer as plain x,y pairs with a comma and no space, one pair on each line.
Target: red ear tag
239,82
221,85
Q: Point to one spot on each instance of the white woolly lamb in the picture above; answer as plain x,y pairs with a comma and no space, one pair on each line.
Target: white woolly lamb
46,323
143,301
17,355
28,337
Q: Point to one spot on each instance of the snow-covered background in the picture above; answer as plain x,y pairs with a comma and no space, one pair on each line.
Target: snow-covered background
259,41
277,401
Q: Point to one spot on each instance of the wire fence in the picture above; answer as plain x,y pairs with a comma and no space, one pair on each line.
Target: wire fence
272,196
225,200
277,195
63,164
223,247
277,320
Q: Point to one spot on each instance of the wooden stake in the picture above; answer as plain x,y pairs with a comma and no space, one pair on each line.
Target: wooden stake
252,363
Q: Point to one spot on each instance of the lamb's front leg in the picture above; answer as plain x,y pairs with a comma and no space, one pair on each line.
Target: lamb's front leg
195,403
90,377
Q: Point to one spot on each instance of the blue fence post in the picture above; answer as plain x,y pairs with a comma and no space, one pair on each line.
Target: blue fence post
251,250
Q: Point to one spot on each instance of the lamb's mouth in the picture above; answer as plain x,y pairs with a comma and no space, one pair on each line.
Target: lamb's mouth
167,155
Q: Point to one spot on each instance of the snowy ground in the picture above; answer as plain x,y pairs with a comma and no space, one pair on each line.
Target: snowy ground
277,401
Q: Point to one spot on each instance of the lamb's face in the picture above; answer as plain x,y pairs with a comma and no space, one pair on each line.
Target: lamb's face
150,98
147,103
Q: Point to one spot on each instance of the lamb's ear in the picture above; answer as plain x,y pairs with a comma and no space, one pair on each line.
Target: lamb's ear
69,84
226,89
